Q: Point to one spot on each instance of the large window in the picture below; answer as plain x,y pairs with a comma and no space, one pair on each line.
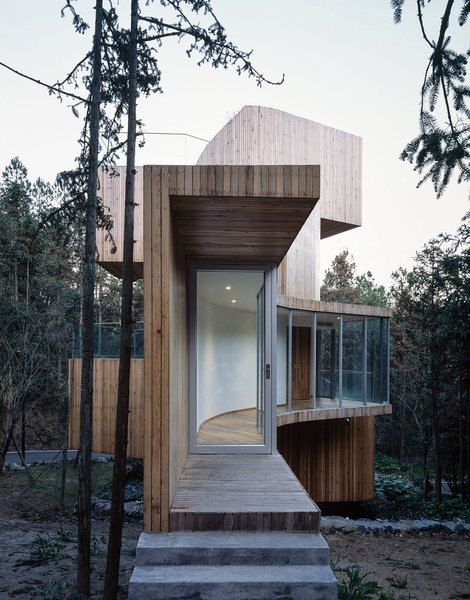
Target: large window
329,360
231,364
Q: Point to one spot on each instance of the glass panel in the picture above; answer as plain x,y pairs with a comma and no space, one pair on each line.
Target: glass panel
328,356
230,358
107,337
353,358
301,359
281,355
377,361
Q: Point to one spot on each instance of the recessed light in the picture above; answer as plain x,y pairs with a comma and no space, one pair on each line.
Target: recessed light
228,287
233,301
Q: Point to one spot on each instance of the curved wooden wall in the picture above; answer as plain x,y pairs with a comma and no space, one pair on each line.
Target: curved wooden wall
333,459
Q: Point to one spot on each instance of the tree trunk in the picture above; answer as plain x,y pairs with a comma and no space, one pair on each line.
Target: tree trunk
86,395
122,409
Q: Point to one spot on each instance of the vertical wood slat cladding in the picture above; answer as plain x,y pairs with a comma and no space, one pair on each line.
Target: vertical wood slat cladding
112,192
259,135
225,207
333,459
104,405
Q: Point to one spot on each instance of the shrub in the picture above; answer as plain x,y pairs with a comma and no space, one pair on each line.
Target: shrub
386,464
356,588
45,547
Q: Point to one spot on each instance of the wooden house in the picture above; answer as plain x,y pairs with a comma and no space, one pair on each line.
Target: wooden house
253,398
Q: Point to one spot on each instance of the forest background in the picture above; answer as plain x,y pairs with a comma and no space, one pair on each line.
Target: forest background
40,278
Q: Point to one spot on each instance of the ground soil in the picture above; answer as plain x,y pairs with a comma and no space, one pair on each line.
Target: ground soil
407,566
24,576
411,567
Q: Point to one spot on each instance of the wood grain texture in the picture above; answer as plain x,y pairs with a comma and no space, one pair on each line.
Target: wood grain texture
333,459
333,307
109,244
326,410
234,214
234,427
105,383
258,136
241,492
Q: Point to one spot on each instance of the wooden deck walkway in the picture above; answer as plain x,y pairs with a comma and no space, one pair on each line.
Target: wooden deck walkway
241,492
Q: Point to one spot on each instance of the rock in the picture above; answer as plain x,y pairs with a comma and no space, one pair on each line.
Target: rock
379,526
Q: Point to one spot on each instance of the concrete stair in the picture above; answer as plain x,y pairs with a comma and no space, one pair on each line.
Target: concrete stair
217,565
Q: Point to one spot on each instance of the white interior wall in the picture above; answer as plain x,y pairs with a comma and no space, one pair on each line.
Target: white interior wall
226,359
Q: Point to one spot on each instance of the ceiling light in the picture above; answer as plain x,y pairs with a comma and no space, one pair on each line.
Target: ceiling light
228,287
233,301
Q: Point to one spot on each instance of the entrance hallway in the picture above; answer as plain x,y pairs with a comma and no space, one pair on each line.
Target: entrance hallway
241,492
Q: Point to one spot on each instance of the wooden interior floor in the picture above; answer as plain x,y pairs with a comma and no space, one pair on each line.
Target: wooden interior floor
241,492
236,427
239,426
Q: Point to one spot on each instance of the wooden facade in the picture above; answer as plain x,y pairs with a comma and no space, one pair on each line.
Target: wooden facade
266,190
256,137
109,245
105,382
259,135
236,214
333,459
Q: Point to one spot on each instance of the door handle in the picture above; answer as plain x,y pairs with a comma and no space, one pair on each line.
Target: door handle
268,371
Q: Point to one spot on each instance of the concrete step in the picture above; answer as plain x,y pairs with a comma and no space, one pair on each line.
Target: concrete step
231,548
241,582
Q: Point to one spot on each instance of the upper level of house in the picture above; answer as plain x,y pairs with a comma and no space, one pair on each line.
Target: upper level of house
256,139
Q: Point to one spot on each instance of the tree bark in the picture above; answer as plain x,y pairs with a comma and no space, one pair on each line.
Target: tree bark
122,410
86,393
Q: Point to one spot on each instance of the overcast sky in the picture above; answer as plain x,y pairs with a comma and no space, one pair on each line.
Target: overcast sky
346,64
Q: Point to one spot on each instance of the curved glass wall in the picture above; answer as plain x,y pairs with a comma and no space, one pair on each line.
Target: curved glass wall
328,360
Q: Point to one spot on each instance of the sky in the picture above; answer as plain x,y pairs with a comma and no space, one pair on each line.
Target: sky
346,65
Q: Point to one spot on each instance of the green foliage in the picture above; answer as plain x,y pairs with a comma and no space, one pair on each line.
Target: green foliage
97,545
341,284
65,535
447,509
386,464
442,145
396,497
55,590
45,547
400,583
430,383
39,300
392,488
357,588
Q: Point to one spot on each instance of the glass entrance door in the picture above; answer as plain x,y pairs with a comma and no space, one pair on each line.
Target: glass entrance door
231,361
